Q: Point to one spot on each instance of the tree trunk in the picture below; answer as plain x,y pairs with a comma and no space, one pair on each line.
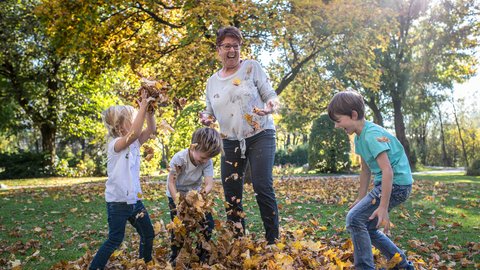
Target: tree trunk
377,114
460,134
445,159
84,148
422,141
400,126
48,143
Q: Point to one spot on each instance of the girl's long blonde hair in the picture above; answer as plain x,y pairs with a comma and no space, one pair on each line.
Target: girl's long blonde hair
114,119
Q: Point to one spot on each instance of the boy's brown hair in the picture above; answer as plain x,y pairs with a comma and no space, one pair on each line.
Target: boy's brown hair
343,103
207,140
229,31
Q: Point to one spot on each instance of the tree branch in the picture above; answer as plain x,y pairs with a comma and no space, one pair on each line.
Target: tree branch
294,72
155,17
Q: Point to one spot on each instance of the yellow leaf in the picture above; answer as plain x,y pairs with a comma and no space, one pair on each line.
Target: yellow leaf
396,259
236,81
281,246
283,259
116,253
297,245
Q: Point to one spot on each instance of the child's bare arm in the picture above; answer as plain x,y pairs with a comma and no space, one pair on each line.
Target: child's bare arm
365,175
387,181
208,184
172,188
136,128
151,128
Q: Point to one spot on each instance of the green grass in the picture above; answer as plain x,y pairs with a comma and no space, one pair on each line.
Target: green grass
448,177
65,221
52,181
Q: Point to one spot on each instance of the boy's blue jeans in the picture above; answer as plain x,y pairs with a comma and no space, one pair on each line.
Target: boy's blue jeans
118,215
364,232
260,151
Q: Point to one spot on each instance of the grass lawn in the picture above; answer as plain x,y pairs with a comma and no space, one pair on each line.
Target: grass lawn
439,224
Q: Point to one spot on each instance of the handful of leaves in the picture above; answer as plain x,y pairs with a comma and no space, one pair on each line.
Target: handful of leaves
155,89
188,225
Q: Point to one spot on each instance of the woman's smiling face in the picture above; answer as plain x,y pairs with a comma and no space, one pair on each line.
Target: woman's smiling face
229,52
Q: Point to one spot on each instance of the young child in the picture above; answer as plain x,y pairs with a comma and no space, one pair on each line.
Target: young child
123,191
383,155
187,168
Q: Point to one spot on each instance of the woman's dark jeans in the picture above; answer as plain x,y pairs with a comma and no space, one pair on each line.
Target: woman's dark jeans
260,152
118,215
208,225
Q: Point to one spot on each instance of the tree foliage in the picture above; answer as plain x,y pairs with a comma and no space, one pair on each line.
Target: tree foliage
328,147
63,62
41,85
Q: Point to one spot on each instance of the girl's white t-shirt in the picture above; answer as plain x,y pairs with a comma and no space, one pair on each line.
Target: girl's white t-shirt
123,170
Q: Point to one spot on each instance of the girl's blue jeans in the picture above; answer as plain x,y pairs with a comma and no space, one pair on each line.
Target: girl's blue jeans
260,152
118,215
364,232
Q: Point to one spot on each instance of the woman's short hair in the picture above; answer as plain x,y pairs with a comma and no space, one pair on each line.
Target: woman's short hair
229,31
207,140
343,103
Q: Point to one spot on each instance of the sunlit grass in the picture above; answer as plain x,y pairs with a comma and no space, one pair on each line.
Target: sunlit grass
448,177
52,181
68,221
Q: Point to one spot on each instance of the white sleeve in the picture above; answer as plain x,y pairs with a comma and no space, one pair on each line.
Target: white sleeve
262,82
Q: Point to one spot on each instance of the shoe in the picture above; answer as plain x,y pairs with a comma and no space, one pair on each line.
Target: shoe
410,266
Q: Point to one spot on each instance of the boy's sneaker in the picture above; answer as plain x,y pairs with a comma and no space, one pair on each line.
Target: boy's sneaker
409,266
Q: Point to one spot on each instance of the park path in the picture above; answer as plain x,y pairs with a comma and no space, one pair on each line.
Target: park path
442,170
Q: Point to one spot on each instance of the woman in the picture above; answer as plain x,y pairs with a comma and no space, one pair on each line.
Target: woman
241,98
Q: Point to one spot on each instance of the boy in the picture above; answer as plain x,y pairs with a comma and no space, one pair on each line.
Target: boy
383,155
187,168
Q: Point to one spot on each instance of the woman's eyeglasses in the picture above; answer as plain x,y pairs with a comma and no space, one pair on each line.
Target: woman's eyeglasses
227,47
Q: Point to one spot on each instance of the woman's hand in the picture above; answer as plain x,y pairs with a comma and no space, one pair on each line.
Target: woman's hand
269,108
207,119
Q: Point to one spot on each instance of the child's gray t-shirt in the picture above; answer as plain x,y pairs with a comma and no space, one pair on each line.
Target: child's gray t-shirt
189,176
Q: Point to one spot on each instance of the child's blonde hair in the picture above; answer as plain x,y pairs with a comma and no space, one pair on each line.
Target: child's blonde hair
114,118
207,140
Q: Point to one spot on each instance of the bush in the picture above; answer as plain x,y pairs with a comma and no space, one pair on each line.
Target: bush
328,147
77,168
474,169
23,165
297,155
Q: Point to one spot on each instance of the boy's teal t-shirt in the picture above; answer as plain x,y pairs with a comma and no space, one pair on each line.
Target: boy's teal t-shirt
374,140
